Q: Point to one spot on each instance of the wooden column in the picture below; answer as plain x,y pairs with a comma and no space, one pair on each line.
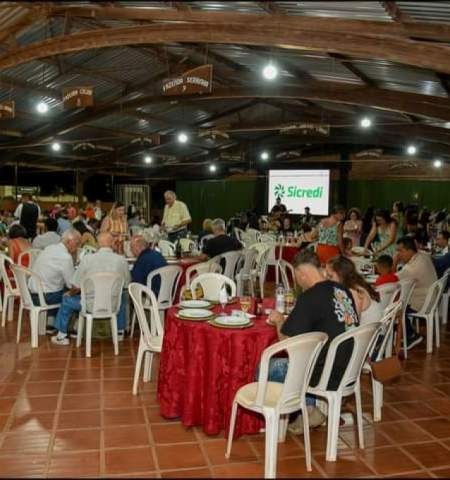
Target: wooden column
80,177
344,169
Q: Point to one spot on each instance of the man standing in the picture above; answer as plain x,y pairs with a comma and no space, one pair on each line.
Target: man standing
278,207
28,214
147,260
176,217
50,237
221,243
103,261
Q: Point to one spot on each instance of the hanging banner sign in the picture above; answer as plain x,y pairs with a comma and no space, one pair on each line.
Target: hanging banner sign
197,80
8,109
75,97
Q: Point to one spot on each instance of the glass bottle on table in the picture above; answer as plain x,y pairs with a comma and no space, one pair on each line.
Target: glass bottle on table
289,300
279,299
223,299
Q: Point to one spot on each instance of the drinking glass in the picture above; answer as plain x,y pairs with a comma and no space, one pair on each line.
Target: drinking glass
246,303
289,301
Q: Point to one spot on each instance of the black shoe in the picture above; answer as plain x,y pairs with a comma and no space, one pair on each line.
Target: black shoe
50,330
72,334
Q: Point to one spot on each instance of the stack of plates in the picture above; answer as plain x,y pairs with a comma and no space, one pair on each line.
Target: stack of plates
195,304
231,322
195,314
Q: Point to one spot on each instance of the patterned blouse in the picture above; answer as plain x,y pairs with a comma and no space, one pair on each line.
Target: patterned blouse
328,235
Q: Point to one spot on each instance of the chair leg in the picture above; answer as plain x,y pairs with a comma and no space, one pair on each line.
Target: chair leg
270,468
377,392
34,323
80,329
137,370
19,322
359,418
5,308
89,325
306,437
444,302
282,429
405,349
133,322
231,429
148,360
430,332
437,327
114,334
334,413
12,299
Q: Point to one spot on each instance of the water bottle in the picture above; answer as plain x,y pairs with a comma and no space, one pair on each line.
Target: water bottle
279,299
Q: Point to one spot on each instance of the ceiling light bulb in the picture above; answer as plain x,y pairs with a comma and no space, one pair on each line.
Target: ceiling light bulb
182,137
366,122
148,159
437,163
411,150
270,72
212,168
265,156
42,107
56,147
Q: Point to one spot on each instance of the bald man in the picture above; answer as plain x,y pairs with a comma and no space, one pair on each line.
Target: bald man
103,261
176,217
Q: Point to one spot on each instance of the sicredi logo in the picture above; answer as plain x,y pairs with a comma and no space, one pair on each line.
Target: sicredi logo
297,192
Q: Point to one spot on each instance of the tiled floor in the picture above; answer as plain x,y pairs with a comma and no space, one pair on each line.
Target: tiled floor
62,414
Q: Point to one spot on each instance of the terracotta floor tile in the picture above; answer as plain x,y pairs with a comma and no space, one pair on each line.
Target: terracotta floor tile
10,389
416,474
3,420
404,432
175,433
441,405
118,385
80,402
292,447
118,372
128,416
25,442
79,419
373,437
347,465
82,387
84,363
128,436
75,464
443,387
37,404
149,399
441,472
119,361
46,375
33,389
121,400
129,460
388,461
22,465
438,427
414,410
6,405
87,374
75,440
430,455
197,473
295,468
179,456
241,452
239,470
39,422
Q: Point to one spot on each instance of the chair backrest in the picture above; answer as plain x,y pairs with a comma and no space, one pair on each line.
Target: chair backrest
140,296
363,338
388,292
170,277
386,331
248,261
303,351
127,249
433,297
4,262
407,288
261,248
187,244
87,250
22,276
167,248
268,238
239,233
150,235
287,274
250,236
199,268
31,253
211,284
205,239
101,294
231,262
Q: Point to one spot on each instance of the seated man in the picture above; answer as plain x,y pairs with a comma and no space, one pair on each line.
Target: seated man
442,239
103,261
324,306
147,260
50,237
221,243
384,267
419,267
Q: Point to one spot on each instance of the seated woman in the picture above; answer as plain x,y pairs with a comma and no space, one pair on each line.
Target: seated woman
385,228
206,229
348,245
353,226
86,236
342,270
18,243
307,236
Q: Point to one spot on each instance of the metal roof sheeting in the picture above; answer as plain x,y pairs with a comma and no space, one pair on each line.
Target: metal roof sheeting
426,11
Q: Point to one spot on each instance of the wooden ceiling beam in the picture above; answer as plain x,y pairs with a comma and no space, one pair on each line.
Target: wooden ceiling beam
394,49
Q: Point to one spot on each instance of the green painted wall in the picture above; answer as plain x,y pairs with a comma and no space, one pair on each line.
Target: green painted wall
222,198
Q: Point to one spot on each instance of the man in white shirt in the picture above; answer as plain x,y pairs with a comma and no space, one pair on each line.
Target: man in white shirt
50,237
103,261
418,266
442,242
176,217
55,268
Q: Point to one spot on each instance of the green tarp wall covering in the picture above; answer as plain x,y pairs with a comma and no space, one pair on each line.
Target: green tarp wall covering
224,198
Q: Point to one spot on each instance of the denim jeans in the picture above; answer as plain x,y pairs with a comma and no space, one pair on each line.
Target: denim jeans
278,368
51,298
72,304
408,323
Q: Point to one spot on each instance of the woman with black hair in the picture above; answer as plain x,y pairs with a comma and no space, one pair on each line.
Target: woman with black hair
366,223
331,231
383,234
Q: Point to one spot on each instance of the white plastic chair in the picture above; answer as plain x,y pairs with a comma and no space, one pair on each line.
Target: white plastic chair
287,270
167,248
101,294
204,240
260,271
363,338
198,269
151,336
388,292
10,293
445,298
248,261
429,313
31,253
22,276
186,244
87,250
268,238
239,233
231,262
211,284
253,235
407,288
277,400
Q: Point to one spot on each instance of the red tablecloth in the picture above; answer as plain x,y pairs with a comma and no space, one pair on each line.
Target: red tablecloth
202,367
289,252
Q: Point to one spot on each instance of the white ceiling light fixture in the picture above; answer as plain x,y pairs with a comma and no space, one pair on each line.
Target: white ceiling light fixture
56,147
265,155
365,122
148,159
437,163
42,107
213,168
411,150
270,71
182,137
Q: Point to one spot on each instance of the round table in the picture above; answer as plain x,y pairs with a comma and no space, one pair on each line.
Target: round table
184,263
202,367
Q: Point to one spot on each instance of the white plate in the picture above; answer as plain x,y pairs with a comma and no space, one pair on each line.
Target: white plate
195,304
195,313
229,320
236,313
371,278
